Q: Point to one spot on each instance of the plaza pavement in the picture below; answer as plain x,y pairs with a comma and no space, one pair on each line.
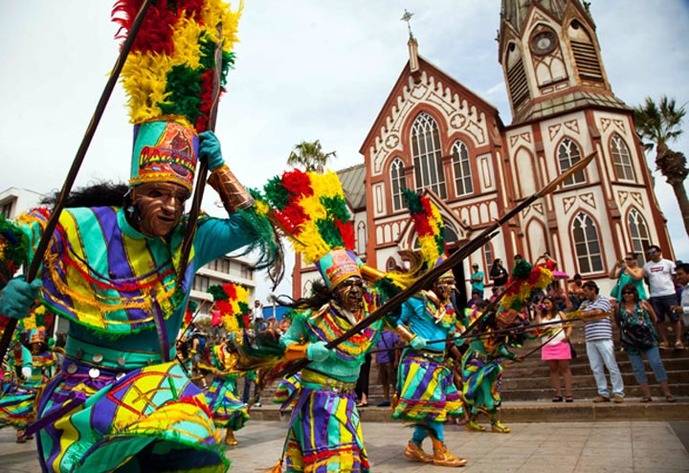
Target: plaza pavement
600,447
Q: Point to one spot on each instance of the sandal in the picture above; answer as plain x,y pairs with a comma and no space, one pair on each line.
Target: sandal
669,398
569,399
646,399
664,345
679,345
557,399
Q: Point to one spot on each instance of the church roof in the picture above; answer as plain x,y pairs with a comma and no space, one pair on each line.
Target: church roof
515,12
352,179
564,103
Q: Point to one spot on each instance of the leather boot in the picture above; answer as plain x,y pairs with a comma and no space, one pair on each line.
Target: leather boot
415,453
443,457
230,440
500,428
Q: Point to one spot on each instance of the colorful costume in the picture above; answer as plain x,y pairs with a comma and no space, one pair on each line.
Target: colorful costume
482,361
231,303
17,397
324,431
425,385
118,402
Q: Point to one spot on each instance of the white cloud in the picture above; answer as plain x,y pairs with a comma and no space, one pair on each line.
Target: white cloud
305,70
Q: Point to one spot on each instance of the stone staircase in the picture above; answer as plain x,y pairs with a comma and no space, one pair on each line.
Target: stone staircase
527,394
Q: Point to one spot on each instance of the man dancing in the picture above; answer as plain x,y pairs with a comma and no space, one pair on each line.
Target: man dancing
119,403
427,394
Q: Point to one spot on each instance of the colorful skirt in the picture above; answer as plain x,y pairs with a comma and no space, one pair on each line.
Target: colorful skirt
556,351
96,420
426,390
287,390
325,434
16,405
481,383
228,411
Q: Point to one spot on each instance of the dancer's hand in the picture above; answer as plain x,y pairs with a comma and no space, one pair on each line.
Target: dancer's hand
209,150
418,343
18,296
318,351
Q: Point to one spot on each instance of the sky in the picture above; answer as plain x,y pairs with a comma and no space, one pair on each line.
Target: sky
305,70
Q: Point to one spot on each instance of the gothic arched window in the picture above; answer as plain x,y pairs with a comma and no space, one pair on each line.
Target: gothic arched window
398,183
428,167
488,255
587,246
391,264
638,232
462,169
621,159
585,53
568,154
361,238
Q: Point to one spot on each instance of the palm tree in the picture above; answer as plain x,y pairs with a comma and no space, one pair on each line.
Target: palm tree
310,155
657,125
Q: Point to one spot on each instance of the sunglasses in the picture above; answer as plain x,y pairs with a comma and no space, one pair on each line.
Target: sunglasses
626,293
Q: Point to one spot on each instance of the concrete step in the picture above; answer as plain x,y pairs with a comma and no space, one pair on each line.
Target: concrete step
509,383
539,411
586,392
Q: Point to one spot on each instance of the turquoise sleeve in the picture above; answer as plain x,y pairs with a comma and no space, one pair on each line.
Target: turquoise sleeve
216,237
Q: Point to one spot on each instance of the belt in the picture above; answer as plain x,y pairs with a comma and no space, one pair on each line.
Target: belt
324,381
99,356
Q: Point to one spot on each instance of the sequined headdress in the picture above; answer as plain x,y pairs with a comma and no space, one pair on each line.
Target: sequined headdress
168,78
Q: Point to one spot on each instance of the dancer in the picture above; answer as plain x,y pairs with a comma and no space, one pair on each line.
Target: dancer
119,403
324,430
425,385
228,311
482,362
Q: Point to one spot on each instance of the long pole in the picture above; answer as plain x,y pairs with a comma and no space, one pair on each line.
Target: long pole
76,165
454,259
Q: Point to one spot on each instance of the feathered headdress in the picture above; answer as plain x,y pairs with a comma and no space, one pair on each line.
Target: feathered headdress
311,210
524,280
168,77
230,307
13,245
429,227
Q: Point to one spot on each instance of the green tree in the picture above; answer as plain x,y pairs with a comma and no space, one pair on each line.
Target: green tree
310,156
658,125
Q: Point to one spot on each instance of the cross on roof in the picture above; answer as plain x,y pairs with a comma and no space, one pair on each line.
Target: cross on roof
407,17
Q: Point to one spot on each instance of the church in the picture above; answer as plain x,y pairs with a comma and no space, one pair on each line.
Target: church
436,136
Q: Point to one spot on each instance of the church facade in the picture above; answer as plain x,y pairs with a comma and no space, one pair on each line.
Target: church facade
436,136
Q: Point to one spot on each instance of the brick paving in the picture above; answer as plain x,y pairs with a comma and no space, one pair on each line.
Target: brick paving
600,447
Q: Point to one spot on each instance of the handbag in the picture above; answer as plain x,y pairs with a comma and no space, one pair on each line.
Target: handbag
636,333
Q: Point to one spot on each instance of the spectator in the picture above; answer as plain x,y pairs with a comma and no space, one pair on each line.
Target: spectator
477,280
659,272
638,337
575,290
498,274
475,299
599,347
556,350
683,279
626,272
385,360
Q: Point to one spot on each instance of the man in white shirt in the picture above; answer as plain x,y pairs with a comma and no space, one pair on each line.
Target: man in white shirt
658,273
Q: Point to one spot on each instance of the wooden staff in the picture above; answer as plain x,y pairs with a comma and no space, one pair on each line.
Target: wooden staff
453,260
76,165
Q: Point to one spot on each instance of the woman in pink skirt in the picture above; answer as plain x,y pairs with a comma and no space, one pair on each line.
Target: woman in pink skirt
556,350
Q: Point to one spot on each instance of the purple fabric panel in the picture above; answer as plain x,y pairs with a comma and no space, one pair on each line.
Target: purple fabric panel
118,264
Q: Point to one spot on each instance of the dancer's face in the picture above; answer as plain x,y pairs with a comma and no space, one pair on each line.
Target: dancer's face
349,294
160,206
443,287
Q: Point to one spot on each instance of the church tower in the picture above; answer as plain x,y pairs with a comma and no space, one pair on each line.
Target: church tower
563,109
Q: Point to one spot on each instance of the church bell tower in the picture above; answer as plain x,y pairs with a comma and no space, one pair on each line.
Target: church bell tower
563,109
